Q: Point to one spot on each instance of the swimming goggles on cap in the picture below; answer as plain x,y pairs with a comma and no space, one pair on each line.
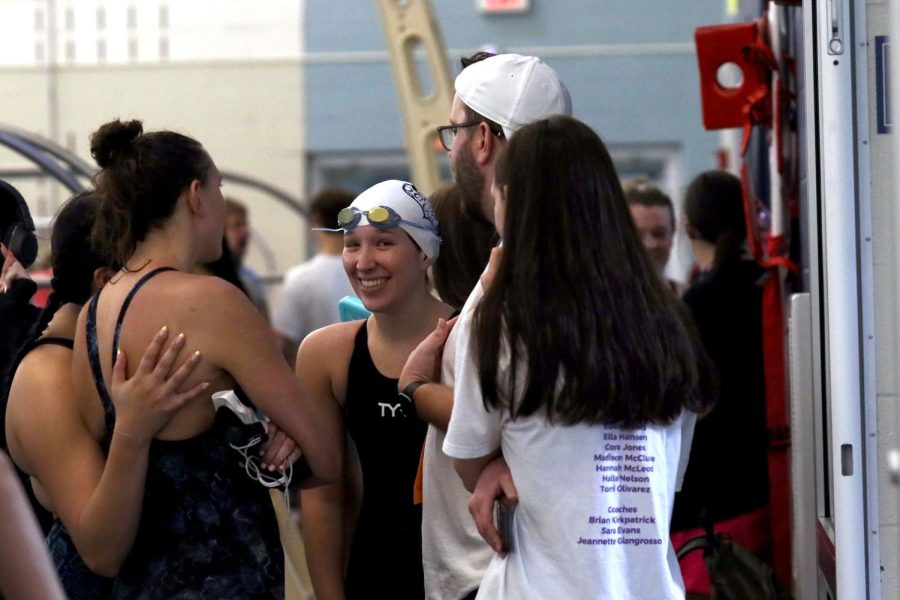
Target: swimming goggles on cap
380,217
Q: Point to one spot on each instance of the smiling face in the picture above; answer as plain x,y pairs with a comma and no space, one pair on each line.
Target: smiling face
384,266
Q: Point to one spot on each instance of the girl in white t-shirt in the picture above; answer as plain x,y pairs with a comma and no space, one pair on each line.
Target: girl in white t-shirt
583,372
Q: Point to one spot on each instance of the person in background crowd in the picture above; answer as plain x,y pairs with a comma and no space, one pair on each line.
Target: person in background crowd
727,479
17,313
654,218
311,292
237,236
390,239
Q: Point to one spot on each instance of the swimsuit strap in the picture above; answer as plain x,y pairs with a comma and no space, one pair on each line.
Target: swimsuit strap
55,341
127,303
93,345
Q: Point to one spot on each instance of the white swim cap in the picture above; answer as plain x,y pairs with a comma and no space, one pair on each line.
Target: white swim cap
406,202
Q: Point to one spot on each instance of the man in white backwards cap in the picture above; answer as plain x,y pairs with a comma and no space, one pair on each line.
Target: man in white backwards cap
495,96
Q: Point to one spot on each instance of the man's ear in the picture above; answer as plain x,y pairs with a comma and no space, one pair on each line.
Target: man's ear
486,144
192,195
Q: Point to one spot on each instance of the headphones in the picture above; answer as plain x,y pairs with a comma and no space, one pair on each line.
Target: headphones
16,225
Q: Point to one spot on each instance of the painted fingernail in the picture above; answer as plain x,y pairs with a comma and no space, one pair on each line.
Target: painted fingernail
196,355
204,385
163,331
263,465
180,338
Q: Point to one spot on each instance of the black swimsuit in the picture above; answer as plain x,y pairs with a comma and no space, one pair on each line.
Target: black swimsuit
386,554
207,530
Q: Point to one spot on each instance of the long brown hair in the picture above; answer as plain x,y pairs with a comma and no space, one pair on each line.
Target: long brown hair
575,302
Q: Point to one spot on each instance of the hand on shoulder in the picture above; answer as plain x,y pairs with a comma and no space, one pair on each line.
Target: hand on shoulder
145,402
424,363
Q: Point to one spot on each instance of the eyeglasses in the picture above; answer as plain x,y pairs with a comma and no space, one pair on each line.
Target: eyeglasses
447,133
380,217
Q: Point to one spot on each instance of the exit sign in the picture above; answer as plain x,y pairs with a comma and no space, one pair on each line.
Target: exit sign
503,6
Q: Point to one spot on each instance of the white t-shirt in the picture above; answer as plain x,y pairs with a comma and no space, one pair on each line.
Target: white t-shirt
595,501
310,295
453,554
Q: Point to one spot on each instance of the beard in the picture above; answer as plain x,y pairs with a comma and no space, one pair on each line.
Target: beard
471,185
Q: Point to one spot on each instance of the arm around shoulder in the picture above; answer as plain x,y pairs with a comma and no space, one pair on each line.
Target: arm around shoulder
432,400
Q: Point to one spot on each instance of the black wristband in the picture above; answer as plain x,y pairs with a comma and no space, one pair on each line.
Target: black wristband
410,390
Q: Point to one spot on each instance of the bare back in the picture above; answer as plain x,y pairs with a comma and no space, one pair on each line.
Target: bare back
195,305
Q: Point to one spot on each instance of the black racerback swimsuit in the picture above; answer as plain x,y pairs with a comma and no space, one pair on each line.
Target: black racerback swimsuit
207,530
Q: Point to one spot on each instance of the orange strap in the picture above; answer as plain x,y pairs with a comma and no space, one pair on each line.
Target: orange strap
417,486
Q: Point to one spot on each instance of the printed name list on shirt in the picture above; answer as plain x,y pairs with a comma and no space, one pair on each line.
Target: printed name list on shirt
624,470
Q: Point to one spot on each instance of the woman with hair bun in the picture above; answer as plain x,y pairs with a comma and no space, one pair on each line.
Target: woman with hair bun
207,528
76,477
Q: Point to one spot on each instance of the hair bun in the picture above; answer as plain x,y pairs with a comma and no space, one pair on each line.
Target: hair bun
113,138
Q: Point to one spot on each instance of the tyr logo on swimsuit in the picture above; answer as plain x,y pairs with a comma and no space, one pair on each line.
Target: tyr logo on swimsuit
393,408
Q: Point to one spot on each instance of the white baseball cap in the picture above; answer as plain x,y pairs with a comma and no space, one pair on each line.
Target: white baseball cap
513,90
413,208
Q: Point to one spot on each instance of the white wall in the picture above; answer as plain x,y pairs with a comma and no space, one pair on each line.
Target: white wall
228,76
885,267
122,31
